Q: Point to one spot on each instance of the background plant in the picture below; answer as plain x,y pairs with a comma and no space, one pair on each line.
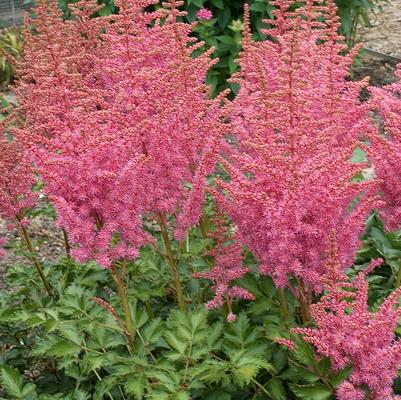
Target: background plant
10,51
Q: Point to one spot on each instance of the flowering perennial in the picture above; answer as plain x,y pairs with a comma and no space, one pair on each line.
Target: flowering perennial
385,149
350,334
16,181
296,120
227,267
118,120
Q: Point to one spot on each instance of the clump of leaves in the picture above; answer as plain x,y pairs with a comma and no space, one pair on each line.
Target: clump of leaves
10,50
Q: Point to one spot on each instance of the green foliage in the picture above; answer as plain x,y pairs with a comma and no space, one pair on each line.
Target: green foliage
80,349
69,347
10,49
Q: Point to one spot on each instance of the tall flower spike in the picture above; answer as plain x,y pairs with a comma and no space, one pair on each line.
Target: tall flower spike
351,335
16,181
296,121
227,267
385,149
118,120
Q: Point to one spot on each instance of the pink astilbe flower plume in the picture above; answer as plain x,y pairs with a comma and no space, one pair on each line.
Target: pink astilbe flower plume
118,120
351,335
297,120
204,14
227,267
16,181
385,149
3,252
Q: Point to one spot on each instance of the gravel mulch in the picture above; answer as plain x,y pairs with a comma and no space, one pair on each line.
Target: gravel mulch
384,34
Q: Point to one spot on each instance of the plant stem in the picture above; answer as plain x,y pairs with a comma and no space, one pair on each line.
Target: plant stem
398,280
261,387
67,244
34,259
203,223
122,291
172,261
304,301
283,304
149,309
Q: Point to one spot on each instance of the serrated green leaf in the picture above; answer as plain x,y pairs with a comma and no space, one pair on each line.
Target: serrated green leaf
276,389
311,392
11,380
63,348
135,385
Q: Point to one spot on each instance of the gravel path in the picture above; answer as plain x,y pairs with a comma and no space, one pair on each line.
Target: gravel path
384,35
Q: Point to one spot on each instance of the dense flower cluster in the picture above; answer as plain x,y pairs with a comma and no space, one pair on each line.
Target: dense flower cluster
227,267
118,120
296,120
385,149
205,14
350,334
16,181
3,241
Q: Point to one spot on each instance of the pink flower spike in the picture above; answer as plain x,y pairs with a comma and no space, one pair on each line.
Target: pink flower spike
204,14
290,344
231,317
121,131
351,335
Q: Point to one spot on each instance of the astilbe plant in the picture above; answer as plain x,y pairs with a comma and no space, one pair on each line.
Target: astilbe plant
17,179
227,256
16,182
351,335
296,121
385,149
118,119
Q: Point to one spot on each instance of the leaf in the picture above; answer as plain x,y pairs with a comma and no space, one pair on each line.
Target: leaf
277,389
135,385
153,331
71,333
182,396
305,353
311,392
81,395
246,367
214,336
340,376
175,343
11,380
29,391
62,349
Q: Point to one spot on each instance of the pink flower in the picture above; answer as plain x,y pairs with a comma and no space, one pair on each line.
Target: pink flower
227,268
16,181
121,130
3,252
296,122
385,150
205,14
347,391
351,335
290,344
231,317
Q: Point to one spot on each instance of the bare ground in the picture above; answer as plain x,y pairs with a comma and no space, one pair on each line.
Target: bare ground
384,34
